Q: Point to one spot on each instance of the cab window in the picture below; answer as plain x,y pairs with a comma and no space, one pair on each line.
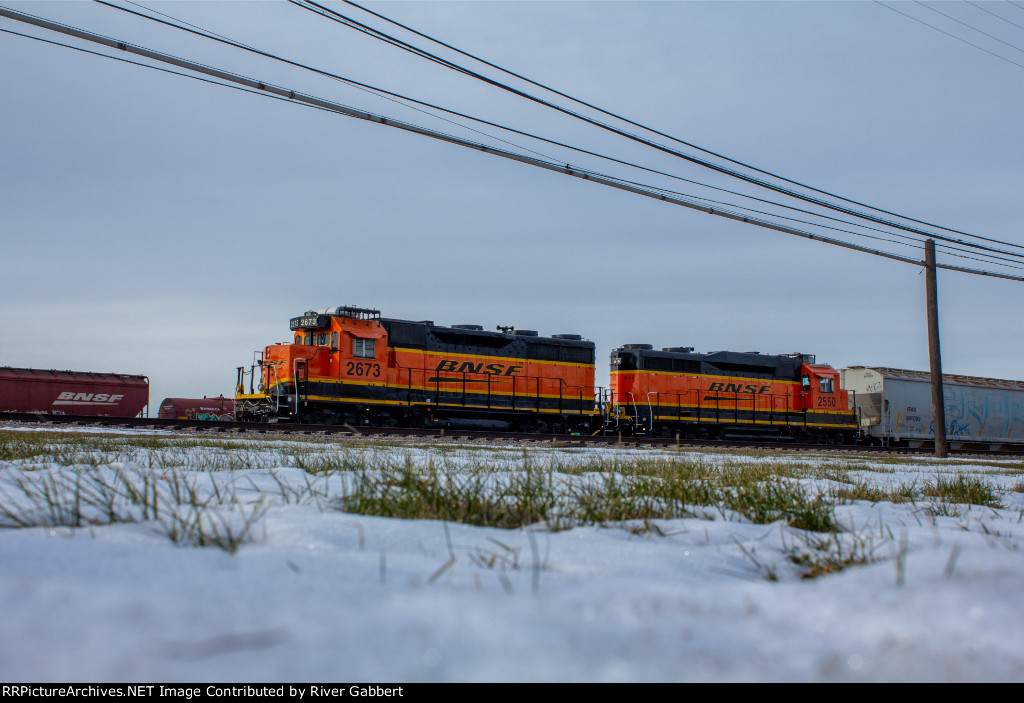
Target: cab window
363,348
321,339
334,341
826,385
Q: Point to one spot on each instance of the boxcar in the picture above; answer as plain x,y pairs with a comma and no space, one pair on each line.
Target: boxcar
72,392
895,407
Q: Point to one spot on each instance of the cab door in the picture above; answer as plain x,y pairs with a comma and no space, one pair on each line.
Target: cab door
301,380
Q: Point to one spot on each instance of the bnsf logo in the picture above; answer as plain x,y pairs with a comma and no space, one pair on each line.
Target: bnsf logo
72,398
738,388
468,367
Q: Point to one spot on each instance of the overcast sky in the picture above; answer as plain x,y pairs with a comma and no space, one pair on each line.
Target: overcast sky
155,224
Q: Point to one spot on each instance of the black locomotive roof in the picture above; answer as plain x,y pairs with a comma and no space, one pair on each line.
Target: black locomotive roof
473,336
465,340
724,362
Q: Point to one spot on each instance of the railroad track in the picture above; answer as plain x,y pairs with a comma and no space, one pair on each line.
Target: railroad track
481,436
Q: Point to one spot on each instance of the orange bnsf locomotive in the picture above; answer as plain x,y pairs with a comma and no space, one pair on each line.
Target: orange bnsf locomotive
674,392
347,365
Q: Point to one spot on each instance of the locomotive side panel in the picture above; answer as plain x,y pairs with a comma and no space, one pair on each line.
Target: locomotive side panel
349,365
669,391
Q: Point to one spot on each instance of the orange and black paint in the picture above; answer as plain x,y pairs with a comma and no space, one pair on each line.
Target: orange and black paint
667,392
355,367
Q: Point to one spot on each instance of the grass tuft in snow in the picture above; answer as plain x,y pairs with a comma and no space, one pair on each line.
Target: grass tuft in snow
964,489
495,496
186,509
442,493
820,555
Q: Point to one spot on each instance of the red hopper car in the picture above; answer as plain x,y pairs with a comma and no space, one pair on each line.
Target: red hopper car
72,393
197,409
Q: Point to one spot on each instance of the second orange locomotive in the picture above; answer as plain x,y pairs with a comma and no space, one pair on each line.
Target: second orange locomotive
728,394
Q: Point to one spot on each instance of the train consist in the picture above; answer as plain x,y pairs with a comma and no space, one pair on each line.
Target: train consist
348,365
72,393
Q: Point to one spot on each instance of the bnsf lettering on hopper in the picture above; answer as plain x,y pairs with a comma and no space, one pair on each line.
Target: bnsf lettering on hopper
72,393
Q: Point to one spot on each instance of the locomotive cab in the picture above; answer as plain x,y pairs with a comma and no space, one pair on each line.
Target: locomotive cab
819,384
342,342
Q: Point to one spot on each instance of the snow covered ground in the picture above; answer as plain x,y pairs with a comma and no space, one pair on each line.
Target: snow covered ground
301,590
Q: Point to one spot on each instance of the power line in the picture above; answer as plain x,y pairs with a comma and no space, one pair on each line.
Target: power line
353,24
128,61
960,39
629,121
1015,48
973,4
313,101
379,91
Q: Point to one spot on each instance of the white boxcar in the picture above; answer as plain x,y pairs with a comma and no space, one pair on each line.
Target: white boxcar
895,406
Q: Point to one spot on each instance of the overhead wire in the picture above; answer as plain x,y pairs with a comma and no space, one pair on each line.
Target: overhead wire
344,20
974,4
379,92
384,93
992,259
953,36
631,122
121,59
268,89
969,26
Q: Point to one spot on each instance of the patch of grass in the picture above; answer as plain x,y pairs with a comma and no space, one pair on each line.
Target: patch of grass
15,446
434,493
942,509
187,513
964,489
781,499
865,490
821,555
905,493
641,491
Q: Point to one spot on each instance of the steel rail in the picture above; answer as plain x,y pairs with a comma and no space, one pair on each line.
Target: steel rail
537,440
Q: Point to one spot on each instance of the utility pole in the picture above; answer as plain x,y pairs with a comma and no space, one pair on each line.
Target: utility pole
934,356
